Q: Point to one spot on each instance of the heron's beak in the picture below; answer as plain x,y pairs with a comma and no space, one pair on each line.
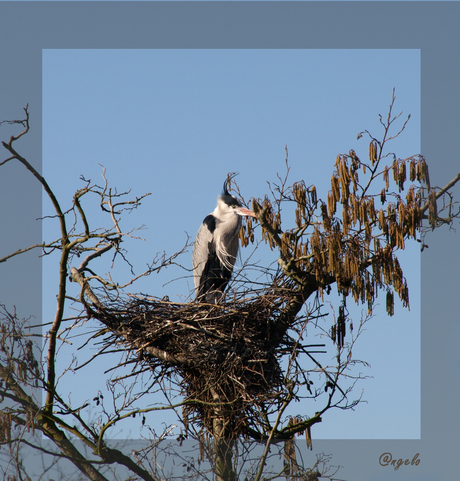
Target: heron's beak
243,211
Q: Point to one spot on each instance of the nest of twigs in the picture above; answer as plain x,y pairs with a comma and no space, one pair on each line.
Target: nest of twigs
225,353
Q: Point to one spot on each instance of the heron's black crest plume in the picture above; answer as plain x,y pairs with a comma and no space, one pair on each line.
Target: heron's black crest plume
228,198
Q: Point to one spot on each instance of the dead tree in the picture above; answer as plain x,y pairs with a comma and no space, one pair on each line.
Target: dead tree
228,358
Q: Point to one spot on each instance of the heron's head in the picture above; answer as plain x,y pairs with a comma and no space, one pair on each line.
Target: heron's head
230,204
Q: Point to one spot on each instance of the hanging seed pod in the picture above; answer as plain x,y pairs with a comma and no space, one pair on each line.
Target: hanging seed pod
354,161
425,177
305,249
246,237
417,217
410,197
356,294
390,303
294,191
344,179
345,219
298,219
326,219
314,240
369,307
363,212
418,171
377,272
249,226
397,274
412,221
242,237
323,255
371,209
333,334
337,253
391,234
387,268
395,170
401,213
432,209
285,247
299,193
390,211
368,287
367,230
255,206
402,175
383,223
335,188
355,180
345,170
401,244
331,205
412,170
313,194
386,178
355,210
373,152
405,295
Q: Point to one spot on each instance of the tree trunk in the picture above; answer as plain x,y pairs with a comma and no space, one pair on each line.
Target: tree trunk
223,443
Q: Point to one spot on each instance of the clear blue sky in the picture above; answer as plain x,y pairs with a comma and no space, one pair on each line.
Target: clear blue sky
174,122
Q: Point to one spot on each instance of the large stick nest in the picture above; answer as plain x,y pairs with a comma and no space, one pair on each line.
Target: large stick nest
225,353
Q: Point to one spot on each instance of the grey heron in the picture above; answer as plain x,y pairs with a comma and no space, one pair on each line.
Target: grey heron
216,247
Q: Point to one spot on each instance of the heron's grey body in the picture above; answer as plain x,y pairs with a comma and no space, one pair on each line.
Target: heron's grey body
216,247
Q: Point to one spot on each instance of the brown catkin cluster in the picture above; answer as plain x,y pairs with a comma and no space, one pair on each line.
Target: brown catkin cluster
355,250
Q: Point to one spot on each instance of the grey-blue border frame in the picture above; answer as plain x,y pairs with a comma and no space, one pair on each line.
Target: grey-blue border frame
28,27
